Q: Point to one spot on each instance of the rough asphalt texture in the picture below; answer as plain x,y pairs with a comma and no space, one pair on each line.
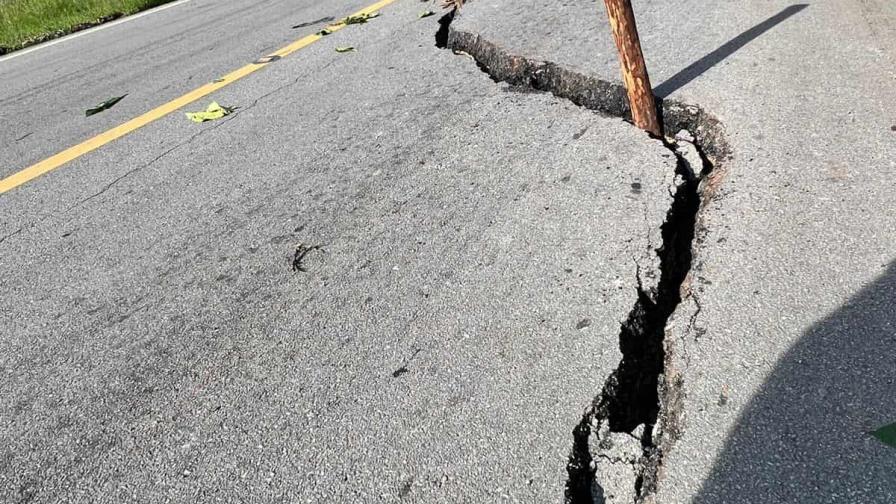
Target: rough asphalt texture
786,343
478,249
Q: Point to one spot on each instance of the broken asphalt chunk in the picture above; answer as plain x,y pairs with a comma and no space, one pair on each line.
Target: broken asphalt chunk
104,106
425,13
212,112
345,49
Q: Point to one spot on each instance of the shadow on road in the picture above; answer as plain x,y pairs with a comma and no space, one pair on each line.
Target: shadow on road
700,66
804,436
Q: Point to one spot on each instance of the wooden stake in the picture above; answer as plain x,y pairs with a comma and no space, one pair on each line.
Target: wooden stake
634,70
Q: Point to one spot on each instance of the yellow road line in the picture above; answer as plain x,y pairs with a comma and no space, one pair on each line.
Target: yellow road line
76,151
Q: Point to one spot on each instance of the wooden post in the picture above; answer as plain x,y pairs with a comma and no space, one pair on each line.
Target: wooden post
634,70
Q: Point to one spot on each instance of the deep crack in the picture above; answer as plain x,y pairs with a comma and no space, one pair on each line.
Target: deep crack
631,394
444,29
642,394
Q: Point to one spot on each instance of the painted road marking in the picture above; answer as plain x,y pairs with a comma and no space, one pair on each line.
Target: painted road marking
88,31
74,152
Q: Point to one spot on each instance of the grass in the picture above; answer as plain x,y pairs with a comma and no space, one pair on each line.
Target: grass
27,22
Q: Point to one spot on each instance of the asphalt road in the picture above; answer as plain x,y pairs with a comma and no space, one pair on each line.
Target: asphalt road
467,251
473,249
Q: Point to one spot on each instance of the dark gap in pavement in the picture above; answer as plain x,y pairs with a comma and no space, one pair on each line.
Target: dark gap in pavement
444,28
631,394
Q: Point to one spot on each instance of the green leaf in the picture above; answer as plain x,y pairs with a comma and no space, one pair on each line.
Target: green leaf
103,106
426,13
344,49
886,435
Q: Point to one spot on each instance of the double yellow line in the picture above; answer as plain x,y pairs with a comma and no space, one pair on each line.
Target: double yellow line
55,161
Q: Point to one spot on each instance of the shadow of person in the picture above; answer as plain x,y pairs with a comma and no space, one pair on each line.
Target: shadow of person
804,438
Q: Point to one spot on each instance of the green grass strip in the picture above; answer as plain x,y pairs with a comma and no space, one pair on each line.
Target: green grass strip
28,22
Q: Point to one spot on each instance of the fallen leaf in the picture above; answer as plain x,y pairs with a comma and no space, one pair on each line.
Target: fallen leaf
453,4
309,23
886,435
359,18
103,106
299,257
212,112
344,49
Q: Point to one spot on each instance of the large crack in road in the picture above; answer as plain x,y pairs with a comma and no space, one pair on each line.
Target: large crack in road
640,400
630,400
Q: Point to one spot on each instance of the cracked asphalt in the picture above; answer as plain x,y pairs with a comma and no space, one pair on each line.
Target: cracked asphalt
468,250
784,344
389,278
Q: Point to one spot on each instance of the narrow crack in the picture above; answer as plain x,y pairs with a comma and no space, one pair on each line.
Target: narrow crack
10,235
616,460
121,177
642,397
195,135
692,323
130,172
